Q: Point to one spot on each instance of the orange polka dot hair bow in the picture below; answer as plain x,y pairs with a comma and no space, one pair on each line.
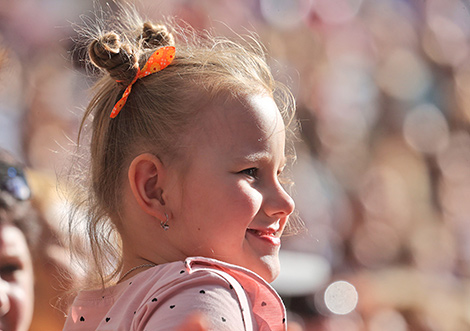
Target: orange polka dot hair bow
159,60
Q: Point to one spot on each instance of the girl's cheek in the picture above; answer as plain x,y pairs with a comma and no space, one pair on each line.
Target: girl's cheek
245,199
253,200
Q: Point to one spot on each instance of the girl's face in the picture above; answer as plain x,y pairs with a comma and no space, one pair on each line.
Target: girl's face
16,280
231,205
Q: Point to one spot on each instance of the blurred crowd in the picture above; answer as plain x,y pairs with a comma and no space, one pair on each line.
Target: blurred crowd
383,156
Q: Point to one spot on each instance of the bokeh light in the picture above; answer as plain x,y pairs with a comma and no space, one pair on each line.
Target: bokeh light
285,14
425,129
341,297
404,75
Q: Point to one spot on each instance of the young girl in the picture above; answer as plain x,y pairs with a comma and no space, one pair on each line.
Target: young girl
187,149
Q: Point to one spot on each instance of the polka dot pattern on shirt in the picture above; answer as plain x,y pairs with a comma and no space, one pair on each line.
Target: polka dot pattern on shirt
261,305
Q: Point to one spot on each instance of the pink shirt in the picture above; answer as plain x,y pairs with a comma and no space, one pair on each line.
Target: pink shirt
160,298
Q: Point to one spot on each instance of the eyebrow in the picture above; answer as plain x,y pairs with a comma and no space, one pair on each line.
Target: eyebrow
259,156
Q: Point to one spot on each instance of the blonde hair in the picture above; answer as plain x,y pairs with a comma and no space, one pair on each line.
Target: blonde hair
160,109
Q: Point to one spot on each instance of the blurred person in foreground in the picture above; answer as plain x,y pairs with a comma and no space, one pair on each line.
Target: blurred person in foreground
33,271
19,234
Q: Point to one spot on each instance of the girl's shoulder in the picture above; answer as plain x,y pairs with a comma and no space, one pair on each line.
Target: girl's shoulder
258,290
257,299
254,294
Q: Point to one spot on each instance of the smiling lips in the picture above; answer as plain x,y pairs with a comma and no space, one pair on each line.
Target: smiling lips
269,235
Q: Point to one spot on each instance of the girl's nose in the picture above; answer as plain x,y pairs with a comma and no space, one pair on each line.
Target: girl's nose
4,299
279,202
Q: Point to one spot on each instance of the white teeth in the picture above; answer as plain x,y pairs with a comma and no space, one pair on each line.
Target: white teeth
261,233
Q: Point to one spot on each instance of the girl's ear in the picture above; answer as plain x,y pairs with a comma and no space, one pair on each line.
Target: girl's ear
146,175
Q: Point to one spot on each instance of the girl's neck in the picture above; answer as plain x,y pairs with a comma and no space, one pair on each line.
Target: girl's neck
133,270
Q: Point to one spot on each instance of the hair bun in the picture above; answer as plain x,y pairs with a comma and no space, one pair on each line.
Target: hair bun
156,35
109,53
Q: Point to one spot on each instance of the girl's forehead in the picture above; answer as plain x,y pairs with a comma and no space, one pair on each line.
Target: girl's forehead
252,120
244,111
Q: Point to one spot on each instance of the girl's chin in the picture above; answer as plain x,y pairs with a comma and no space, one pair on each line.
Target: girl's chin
269,268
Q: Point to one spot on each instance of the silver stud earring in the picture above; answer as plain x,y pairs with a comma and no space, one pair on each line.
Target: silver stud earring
165,225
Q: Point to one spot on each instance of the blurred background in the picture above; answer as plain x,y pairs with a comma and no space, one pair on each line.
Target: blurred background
383,170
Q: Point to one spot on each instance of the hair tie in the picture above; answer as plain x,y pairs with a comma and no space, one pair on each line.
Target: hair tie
159,60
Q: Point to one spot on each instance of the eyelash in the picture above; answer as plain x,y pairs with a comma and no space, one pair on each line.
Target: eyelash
251,172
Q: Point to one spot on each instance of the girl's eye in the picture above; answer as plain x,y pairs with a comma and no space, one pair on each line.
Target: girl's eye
251,172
